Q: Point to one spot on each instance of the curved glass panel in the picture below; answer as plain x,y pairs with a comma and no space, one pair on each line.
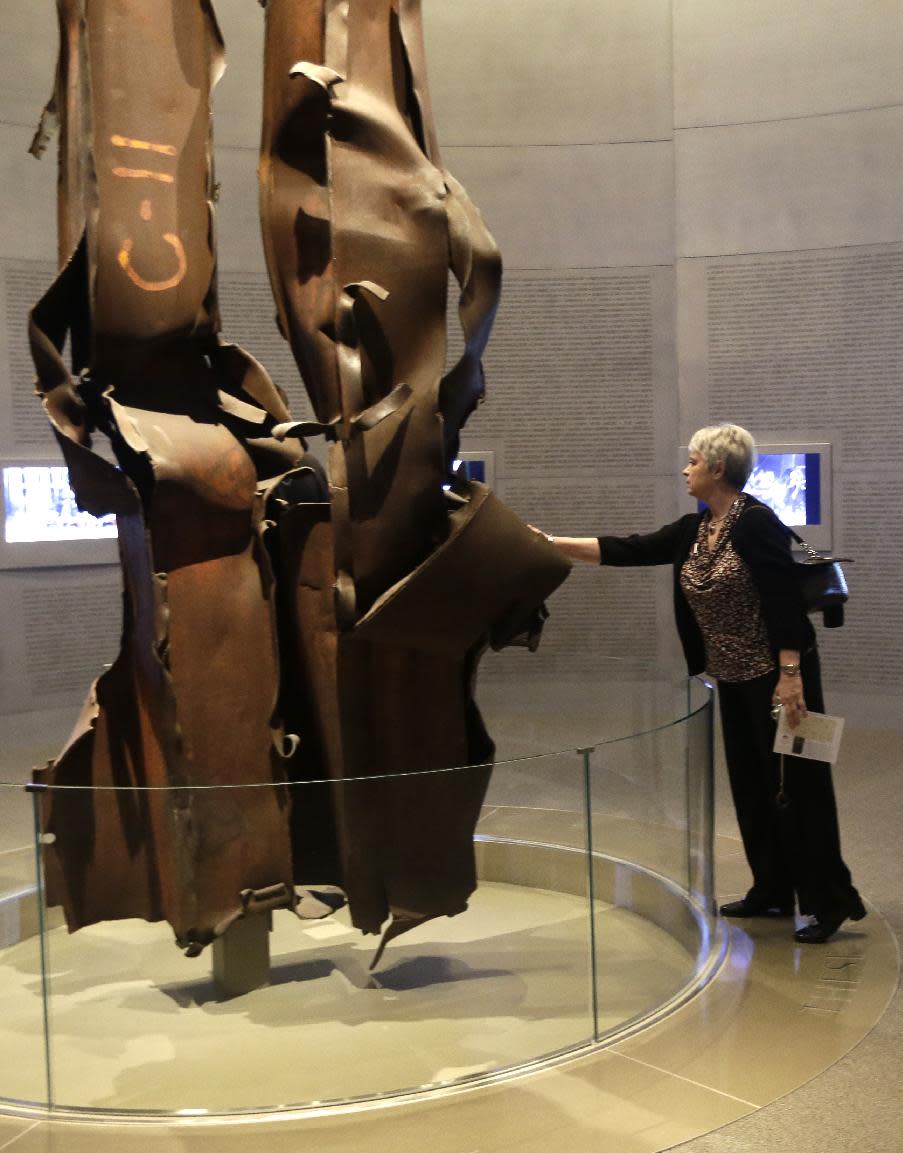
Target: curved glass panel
591,912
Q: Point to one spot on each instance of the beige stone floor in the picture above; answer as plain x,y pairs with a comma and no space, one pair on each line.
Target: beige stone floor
782,1038
775,1015
135,1025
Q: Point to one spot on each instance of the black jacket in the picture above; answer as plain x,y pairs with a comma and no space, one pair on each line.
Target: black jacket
762,542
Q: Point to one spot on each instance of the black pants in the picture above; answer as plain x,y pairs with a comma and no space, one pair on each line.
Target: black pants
794,849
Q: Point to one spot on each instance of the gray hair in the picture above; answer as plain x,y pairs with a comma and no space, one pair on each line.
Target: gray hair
728,443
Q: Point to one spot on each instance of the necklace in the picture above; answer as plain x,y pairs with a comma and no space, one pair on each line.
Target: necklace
713,520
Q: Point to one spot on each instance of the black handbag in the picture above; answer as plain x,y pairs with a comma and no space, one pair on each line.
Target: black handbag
822,583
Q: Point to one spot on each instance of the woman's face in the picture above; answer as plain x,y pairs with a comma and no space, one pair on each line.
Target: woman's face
700,478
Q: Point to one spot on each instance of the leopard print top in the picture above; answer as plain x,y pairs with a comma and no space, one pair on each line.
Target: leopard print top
720,591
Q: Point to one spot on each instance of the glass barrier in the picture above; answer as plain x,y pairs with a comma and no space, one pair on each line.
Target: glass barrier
650,806
23,936
592,911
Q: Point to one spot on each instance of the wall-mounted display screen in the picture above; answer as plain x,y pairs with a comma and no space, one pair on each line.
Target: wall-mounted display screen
39,505
41,524
789,483
476,465
794,479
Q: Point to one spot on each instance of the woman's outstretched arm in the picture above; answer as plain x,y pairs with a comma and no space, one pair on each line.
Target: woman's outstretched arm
585,548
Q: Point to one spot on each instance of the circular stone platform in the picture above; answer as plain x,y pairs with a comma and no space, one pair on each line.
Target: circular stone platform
710,1061
135,1027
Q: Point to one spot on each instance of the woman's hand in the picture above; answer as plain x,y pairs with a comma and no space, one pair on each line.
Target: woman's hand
788,693
585,548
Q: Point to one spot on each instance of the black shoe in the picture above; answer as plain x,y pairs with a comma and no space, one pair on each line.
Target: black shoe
748,908
821,929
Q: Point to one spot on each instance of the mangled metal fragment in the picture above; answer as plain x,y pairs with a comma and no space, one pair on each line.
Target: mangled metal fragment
190,700
276,633
400,586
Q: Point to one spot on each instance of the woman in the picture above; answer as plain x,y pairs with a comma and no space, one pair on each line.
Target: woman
740,617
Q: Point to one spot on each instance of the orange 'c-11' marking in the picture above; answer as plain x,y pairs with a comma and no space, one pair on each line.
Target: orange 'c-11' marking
144,174
125,260
145,145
